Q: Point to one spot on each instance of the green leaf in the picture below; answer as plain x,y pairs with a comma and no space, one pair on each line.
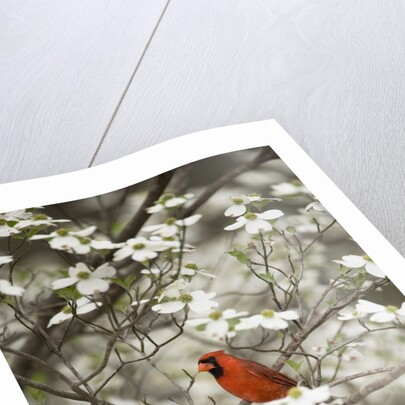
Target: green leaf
240,256
294,365
119,282
68,293
267,277
290,229
121,308
126,283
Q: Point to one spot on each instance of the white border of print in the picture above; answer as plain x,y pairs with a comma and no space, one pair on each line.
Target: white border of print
143,165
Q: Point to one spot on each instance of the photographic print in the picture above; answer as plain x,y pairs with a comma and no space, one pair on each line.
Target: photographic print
224,281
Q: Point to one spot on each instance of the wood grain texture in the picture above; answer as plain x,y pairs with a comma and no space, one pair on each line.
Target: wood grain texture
330,72
63,68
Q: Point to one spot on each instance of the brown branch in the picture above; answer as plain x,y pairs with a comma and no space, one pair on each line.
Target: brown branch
265,155
312,324
382,382
361,375
46,388
157,188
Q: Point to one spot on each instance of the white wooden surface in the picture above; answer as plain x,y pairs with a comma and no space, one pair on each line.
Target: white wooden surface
86,82
63,67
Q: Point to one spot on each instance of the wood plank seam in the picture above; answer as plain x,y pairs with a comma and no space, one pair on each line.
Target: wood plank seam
138,64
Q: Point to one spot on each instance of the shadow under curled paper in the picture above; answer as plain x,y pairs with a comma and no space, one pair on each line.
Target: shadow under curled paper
116,280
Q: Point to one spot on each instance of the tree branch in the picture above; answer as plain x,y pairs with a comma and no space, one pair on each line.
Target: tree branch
265,155
376,385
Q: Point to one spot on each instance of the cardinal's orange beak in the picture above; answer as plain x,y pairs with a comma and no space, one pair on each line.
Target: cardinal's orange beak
205,367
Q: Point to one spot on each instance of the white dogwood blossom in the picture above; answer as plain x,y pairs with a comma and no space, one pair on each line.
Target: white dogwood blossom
171,226
197,301
87,282
7,288
347,316
6,259
255,223
217,325
141,249
357,262
169,201
82,306
268,319
69,241
239,204
380,313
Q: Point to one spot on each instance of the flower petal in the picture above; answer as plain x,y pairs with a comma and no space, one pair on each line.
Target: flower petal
153,228
235,210
6,259
197,322
202,295
64,243
167,231
353,261
7,288
240,222
231,313
189,221
201,307
83,309
79,268
63,283
381,317
288,315
105,244
144,254
169,307
274,323
123,253
401,311
105,270
368,307
270,214
249,323
85,232
92,286
217,329
154,208
374,270
175,202
59,318
258,225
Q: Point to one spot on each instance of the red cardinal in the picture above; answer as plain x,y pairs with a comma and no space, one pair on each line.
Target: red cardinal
248,380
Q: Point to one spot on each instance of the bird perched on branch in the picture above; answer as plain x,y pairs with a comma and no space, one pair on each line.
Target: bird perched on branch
245,379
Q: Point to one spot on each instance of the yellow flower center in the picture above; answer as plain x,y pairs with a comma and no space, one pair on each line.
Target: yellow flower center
294,392
215,315
237,201
165,198
40,216
84,240
83,275
67,310
170,221
250,216
186,298
267,313
138,246
391,309
192,266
